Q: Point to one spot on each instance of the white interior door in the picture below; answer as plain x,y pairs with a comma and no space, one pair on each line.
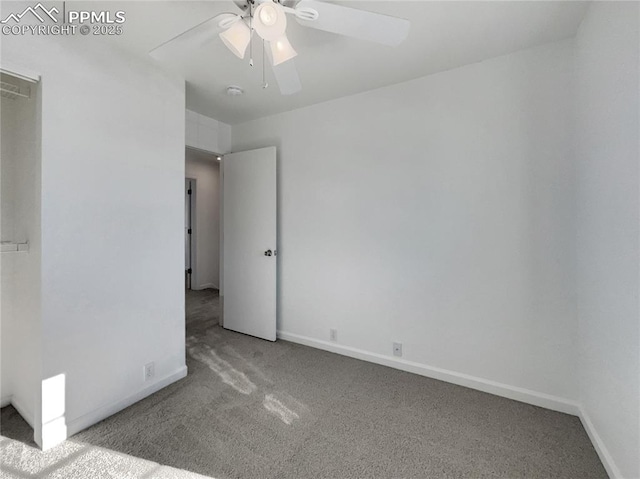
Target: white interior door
249,237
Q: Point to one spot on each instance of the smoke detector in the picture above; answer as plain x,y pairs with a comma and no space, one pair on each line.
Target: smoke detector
234,90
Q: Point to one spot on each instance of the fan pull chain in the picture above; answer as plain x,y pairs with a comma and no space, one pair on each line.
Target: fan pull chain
250,35
264,62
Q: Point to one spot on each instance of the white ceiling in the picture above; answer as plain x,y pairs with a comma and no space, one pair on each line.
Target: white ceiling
444,35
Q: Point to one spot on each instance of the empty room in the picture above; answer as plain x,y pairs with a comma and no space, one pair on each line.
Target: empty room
297,239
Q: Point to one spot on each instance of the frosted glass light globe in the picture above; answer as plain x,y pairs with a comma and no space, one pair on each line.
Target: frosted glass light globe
281,50
237,38
268,14
271,21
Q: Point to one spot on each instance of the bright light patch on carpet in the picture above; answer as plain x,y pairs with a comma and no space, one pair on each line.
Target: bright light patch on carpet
230,351
71,460
229,375
278,409
16,456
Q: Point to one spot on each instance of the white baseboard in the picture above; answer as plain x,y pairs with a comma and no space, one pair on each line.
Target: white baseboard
93,417
499,389
607,461
205,286
5,401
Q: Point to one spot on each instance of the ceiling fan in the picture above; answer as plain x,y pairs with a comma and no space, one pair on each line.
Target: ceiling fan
268,19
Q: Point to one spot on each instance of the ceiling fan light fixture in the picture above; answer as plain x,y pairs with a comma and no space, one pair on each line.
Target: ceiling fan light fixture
281,50
268,14
236,38
270,20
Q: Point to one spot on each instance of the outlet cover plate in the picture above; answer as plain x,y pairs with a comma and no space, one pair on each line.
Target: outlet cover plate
149,371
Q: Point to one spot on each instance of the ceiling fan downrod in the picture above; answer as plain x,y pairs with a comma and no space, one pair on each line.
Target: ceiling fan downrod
264,76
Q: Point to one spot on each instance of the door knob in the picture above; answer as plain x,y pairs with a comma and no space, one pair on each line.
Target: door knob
268,253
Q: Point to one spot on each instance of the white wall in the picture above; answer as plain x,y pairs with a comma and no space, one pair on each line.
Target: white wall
20,326
437,213
206,133
607,159
112,226
205,169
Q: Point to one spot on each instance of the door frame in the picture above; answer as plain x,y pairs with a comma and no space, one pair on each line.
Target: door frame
192,224
221,233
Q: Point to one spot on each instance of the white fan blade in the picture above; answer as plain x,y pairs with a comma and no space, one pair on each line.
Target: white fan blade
191,39
287,76
356,23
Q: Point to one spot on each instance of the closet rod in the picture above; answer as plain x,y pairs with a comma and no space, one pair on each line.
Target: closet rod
14,93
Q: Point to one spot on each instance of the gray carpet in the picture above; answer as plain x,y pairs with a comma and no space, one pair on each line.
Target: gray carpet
75,460
254,409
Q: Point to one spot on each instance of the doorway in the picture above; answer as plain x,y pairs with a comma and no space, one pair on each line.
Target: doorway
231,235
202,220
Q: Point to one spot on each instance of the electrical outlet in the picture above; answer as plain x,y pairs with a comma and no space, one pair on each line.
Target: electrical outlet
149,371
397,349
333,335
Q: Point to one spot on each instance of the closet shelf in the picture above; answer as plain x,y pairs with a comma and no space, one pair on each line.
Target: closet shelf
11,247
